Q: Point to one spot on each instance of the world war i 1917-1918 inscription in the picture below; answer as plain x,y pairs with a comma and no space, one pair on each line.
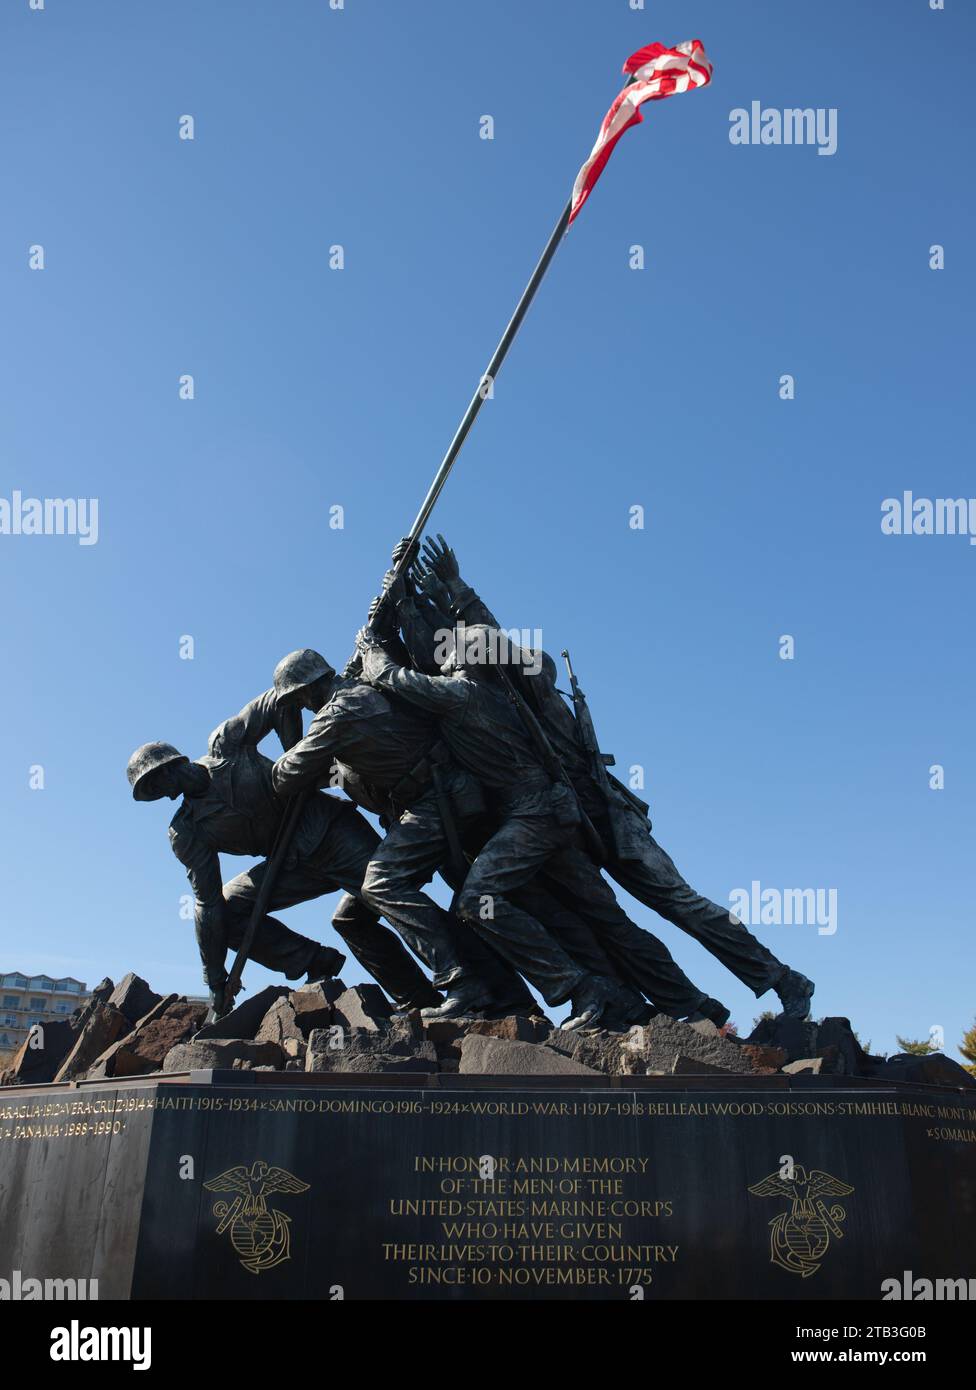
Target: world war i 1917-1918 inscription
555,1190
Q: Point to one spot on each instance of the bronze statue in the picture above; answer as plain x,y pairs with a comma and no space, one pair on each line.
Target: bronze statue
229,806
634,859
477,769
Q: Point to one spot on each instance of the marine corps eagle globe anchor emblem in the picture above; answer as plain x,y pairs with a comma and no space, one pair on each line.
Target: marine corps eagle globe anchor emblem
799,1238
260,1237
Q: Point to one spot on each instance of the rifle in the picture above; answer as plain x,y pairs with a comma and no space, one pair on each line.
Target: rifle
282,841
551,763
626,843
587,733
454,848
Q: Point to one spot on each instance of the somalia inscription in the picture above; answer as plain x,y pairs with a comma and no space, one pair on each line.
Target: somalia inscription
290,1190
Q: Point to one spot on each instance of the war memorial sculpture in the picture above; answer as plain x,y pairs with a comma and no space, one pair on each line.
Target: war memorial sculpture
432,1134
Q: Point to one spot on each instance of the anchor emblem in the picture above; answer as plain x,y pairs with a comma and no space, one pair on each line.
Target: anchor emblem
799,1238
260,1236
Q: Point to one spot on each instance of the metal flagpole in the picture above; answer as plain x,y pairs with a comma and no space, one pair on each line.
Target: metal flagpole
487,380
491,372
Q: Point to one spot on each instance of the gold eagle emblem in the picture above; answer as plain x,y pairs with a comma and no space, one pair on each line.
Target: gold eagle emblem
260,1236
800,1237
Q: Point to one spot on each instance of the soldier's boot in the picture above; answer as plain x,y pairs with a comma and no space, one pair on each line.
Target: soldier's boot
326,963
466,998
504,1005
596,998
430,998
712,1009
629,1009
795,992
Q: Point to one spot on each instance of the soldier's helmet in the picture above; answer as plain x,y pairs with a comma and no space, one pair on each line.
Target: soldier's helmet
471,646
480,645
298,669
147,760
532,661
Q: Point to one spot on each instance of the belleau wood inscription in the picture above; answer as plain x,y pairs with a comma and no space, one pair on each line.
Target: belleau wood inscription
333,1192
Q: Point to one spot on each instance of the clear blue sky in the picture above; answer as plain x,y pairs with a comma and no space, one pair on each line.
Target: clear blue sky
658,387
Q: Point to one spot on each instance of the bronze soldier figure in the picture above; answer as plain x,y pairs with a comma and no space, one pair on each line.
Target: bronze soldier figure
645,870
388,756
229,806
574,905
534,829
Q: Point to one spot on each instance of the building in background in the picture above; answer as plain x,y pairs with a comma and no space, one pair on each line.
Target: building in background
29,999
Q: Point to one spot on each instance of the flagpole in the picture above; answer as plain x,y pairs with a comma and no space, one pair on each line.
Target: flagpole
487,381
490,373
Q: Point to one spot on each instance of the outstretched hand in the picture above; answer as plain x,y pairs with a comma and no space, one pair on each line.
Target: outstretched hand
430,586
441,559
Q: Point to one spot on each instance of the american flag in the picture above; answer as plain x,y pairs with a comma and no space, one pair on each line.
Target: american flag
656,72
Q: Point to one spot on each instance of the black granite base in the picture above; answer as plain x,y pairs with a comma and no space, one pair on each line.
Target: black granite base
286,1186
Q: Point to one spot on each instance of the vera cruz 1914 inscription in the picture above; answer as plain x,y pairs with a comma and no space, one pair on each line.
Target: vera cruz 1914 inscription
653,1192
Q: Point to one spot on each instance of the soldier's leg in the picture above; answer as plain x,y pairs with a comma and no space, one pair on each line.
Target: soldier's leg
338,862
580,943
508,862
413,850
275,946
655,881
507,987
382,953
574,935
343,856
407,858
638,956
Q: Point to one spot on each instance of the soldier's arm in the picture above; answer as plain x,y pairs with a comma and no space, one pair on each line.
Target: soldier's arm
202,866
255,721
465,603
288,724
388,619
309,762
366,796
437,694
423,627
467,606
399,648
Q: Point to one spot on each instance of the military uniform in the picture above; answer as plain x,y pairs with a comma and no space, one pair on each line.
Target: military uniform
240,814
385,754
647,873
534,831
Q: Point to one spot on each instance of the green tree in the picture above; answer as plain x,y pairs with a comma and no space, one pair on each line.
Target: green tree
968,1049
915,1046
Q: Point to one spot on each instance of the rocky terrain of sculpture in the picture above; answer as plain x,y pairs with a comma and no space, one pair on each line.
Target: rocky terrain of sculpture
128,1030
